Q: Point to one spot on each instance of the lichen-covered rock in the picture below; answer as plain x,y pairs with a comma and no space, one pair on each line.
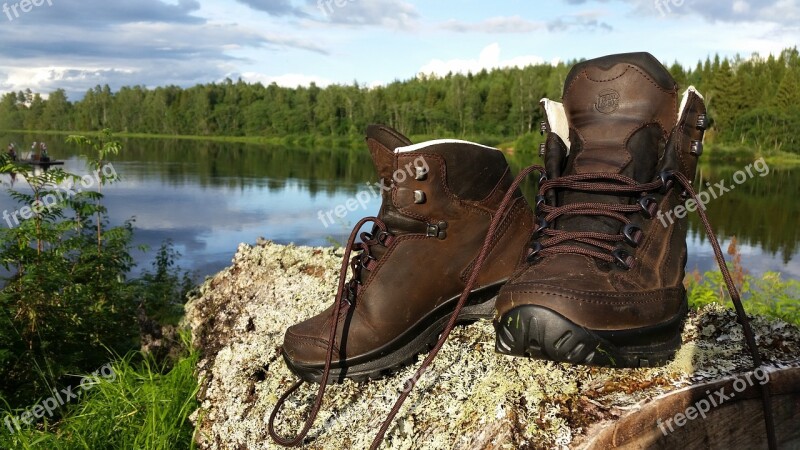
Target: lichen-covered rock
470,397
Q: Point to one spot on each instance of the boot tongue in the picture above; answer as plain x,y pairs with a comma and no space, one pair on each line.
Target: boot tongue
620,109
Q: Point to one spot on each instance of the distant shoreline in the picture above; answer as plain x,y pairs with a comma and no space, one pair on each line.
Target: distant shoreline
714,152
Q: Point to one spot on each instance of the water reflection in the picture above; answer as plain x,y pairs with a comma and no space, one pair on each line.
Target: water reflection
208,197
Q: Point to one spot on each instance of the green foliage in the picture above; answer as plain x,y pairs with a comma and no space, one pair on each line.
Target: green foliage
768,295
165,288
752,102
528,144
65,296
103,147
143,406
502,103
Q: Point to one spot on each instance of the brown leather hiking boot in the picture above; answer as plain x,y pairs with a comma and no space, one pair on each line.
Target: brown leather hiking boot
603,284
440,199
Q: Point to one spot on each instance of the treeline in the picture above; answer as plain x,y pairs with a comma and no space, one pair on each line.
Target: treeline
753,101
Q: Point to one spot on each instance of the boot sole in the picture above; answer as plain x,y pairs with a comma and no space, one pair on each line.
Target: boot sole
404,349
538,332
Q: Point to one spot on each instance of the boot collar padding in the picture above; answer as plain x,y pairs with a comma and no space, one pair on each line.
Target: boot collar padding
557,120
685,102
557,116
423,145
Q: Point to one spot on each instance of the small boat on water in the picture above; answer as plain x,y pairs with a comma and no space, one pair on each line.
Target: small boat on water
37,156
47,163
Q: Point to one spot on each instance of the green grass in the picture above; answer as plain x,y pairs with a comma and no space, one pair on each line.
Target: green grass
144,406
743,153
769,295
231,139
527,144
292,141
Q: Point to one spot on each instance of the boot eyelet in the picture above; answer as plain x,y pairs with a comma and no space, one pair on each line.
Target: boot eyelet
382,237
542,178
633,235
702,122
365,262
622,259
540,200
649,206
696,148
543,224
419,197
437,230
421,174
666,180
534,251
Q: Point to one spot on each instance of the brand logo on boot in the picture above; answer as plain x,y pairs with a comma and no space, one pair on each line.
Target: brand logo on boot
607,101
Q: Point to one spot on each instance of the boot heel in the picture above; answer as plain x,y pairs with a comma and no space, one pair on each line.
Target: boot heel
538,332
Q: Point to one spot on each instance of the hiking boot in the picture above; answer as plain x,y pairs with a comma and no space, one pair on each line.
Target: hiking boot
438,200
603,280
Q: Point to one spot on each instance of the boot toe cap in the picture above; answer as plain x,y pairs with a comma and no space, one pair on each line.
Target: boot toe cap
303,346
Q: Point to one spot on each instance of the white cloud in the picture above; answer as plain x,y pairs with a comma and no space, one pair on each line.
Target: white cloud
584,20
515,24
489,58
740,7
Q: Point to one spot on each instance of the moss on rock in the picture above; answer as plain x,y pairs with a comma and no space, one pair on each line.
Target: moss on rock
470,397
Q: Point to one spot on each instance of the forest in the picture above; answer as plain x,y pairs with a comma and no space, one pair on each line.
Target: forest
753,102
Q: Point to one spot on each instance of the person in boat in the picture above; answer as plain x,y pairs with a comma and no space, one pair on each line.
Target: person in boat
34,151
12,152
44,156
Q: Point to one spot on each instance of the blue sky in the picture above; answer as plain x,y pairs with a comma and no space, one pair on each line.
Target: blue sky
76,44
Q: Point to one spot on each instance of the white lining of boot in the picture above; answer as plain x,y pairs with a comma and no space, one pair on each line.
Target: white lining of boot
557,119
682,110
422,145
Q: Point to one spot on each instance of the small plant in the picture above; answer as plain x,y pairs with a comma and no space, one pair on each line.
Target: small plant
103,147
768,295
143,406
64,297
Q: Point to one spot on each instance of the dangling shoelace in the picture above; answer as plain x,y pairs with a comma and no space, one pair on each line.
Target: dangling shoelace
648,206
345,296
497,220
608,183
741,314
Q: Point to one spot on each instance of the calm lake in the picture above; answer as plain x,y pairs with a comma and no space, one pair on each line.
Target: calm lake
208,197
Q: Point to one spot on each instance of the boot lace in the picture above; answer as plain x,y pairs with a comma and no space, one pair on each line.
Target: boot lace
609,246
345,298
557,243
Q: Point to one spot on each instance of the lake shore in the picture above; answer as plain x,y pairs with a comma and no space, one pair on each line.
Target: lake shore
523,145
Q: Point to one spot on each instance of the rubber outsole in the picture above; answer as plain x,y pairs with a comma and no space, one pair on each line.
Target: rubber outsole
403,350
538,332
